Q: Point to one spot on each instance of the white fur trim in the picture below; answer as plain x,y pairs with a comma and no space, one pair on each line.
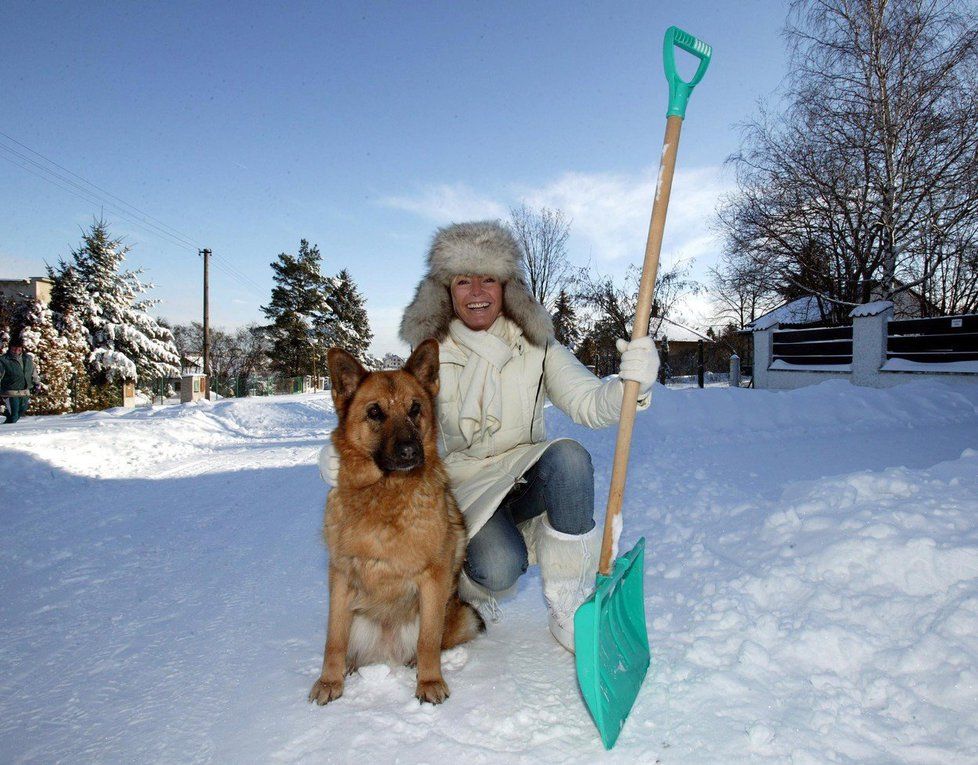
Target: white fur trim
478,247
470,592
566,555
568,563
529,531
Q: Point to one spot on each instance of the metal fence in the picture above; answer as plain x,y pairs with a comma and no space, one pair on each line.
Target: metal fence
933,341
166,390
821,345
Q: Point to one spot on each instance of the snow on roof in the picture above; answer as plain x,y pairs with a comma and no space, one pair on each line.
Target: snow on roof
800,311
870,309
677,333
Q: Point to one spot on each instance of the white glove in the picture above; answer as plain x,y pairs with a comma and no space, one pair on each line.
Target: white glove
639,362
329,463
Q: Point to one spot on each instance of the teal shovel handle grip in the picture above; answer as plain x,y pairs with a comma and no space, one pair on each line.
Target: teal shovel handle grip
679,89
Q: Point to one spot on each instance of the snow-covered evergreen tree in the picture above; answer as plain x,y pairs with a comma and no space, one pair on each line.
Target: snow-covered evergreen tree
68,293
299,311
69,301
83,394
350,328
126,342
41,339
567,328
6,320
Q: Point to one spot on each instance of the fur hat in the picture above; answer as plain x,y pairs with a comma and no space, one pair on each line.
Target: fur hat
484,248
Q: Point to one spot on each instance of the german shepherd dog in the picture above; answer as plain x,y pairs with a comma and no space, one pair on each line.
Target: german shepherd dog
395,535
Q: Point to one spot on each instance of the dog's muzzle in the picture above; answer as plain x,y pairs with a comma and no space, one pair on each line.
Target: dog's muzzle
405,455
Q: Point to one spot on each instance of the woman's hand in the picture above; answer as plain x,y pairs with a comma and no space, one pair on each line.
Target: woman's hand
329,463
639,362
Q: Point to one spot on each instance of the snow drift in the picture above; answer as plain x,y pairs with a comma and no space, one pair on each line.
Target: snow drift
811,591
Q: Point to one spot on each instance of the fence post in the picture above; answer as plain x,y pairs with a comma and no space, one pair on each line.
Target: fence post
700,365
869,341
664,365
735,371
763,349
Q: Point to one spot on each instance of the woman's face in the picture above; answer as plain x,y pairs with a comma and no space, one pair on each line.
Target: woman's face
478,300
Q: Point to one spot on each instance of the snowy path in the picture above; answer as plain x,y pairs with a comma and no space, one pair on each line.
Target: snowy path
812,591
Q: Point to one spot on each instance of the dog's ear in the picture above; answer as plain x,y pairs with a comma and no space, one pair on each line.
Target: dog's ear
423,365
346,374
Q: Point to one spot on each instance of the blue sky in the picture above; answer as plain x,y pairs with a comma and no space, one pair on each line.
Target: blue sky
362,127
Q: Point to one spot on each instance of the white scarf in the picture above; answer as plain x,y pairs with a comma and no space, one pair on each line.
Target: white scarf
480,384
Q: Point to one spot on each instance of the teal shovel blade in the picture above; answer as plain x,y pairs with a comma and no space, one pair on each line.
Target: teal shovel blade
611,643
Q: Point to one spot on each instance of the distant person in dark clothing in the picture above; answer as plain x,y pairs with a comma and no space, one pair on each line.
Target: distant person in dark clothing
18,379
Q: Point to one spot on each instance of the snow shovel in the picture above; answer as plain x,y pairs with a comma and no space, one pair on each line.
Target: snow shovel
611,641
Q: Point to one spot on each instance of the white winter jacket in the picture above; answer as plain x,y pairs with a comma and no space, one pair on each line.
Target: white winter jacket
482,474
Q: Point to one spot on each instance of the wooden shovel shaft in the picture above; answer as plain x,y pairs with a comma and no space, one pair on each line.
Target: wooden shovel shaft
640,328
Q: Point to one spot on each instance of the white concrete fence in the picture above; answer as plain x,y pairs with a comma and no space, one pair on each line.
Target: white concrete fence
869,365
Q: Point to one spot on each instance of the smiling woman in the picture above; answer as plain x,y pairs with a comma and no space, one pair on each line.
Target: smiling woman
477,300
525,498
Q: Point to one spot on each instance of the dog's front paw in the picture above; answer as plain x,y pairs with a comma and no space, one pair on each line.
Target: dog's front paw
432,691
325,691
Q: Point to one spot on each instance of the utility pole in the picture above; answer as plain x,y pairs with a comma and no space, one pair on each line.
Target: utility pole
206,254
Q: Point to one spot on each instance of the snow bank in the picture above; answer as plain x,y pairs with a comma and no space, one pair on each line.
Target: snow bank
145,441
851,625
811,591
823,409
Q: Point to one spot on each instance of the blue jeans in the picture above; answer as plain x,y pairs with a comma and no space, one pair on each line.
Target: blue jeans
560,484
16,406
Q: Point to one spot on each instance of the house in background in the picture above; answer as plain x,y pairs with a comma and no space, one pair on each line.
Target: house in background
31,288
192,364
679,346
811,309
680,337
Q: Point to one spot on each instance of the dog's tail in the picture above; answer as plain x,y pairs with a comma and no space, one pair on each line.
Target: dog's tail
462,623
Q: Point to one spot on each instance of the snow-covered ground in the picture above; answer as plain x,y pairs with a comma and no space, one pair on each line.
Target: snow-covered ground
811,591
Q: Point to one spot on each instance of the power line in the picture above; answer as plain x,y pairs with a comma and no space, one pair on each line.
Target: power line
78,190
139,218
92,198
247,279
99,188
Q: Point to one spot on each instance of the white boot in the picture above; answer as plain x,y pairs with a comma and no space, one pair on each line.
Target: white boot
568,564
480,598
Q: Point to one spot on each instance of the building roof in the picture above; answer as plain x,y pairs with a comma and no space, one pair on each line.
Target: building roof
801,311
678,333
805,310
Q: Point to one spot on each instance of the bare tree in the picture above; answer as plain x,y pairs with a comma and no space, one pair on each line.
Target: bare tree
255,343
542,236
614,303
841,194
738,294
233,354
612,310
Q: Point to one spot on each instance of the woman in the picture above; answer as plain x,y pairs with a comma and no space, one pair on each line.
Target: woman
18,380
525,499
